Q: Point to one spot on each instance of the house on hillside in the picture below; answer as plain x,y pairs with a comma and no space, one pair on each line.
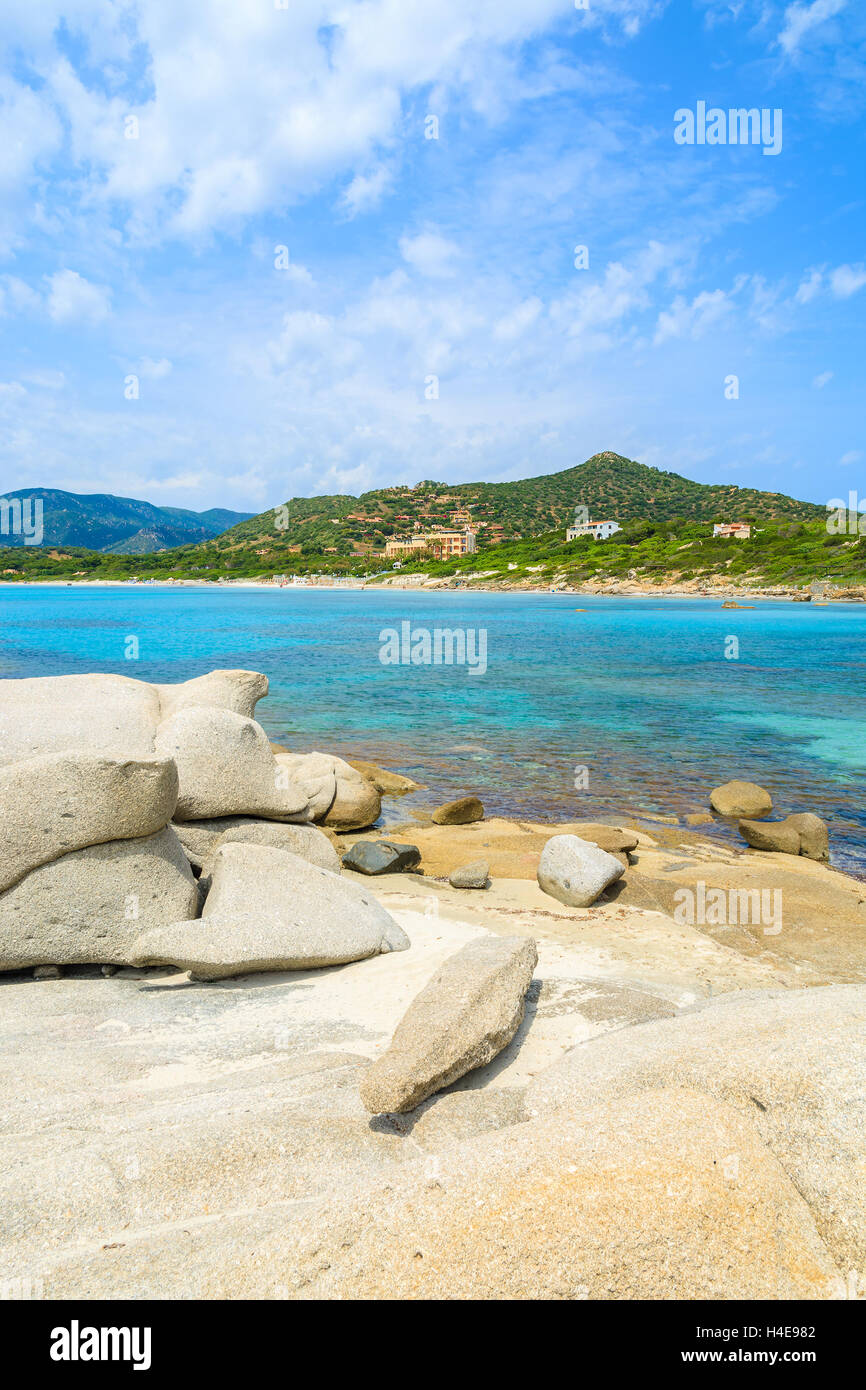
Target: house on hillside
599,530
738,530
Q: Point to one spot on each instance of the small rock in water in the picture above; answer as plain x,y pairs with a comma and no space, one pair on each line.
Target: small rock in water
381,857
47,972
741,799
576,872
698,818
814,836
776,836
460,812
475,875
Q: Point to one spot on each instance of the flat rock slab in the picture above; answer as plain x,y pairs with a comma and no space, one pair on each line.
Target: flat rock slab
464,1017
381,857
268,909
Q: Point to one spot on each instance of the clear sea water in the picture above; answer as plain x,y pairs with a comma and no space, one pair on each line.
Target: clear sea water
637,691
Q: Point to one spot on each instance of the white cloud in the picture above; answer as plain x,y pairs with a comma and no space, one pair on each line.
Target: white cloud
801,19
853,456
821,380
809,287
847,280
692,320
71,298
154,370
429,253
366,191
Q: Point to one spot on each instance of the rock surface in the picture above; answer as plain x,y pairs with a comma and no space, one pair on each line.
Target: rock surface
201,839
381,857
109,715
814,835
226,767
58,802
326,918
239,691
357,804
315,774
741,799
576,872
91,904
776,836
474,875
460,812
468,1013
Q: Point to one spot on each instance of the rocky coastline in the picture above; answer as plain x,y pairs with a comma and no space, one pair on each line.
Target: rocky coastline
257,1045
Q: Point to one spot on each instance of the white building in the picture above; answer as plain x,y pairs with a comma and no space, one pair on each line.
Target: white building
599,530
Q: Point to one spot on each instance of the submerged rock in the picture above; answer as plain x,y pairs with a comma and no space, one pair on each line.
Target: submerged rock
460,812
801,834
468,1013
776,836
741,799
576,872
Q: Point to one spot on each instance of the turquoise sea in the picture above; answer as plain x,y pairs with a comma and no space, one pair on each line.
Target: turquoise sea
639,692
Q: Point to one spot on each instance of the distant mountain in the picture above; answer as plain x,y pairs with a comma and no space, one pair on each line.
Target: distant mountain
118,525
608,485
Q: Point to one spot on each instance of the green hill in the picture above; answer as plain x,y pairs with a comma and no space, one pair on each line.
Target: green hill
607,484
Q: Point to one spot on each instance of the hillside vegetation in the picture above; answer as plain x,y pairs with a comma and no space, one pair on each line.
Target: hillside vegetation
666,536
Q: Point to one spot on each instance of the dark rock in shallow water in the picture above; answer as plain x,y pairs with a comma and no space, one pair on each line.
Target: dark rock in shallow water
381,857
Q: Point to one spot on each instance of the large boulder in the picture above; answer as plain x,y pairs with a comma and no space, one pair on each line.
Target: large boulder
58,802
226,767
239,691
777,836
109,715
357,804
381,857
315,774
463,811
267,909
576,872
462,1019
741,799
89,906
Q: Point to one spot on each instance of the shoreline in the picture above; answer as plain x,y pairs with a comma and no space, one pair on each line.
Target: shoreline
589,590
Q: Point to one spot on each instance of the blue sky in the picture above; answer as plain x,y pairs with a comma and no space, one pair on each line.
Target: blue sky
156,155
